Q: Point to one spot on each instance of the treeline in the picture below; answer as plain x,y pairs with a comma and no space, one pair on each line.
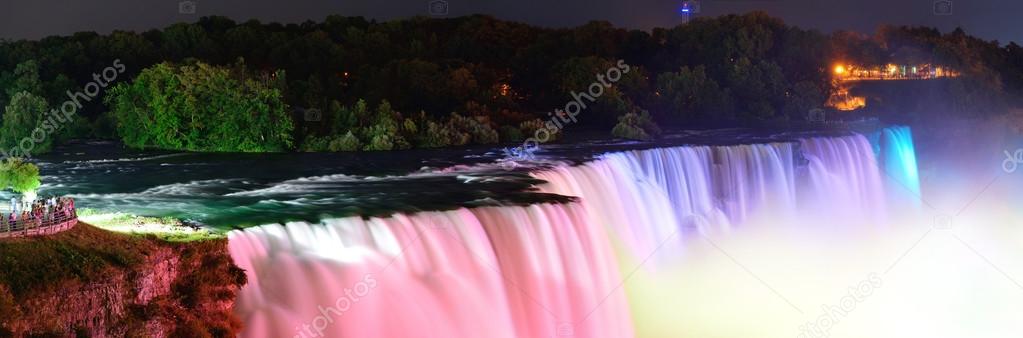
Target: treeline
992,74
349,83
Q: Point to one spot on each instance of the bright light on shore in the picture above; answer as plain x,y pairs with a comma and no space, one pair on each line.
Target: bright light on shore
165,228
839,69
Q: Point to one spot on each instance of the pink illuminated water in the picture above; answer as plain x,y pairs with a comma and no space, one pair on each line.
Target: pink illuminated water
546,270
496,272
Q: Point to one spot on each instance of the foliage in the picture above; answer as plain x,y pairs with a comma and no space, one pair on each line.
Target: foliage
690,94
18,175
636,127
530,127
347,142
199,107
314,143
441,135
477,127
25,78
730,69
25,112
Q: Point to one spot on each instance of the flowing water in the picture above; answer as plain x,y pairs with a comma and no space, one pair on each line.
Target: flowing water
694,237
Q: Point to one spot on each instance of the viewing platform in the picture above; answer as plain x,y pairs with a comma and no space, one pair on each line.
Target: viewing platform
58,219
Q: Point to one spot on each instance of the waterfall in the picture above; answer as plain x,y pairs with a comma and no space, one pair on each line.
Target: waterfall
844,179
898,160
546,270
495,271
644,197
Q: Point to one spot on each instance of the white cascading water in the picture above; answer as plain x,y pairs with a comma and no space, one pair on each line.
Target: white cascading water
844,178
538,271
645,197
503,271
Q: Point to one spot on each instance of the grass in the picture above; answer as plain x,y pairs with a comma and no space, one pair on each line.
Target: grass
165,228
39,265
84,254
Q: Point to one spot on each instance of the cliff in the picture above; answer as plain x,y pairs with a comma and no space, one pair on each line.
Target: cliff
88,282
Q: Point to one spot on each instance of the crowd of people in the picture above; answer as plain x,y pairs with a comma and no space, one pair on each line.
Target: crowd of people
35,213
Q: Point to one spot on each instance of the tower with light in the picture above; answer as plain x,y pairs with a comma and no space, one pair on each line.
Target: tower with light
687,9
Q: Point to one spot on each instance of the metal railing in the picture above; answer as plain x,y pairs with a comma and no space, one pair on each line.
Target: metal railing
50,223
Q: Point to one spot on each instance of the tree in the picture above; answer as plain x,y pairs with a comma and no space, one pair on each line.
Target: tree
19,176
636,127
26,79
200,107
25,119
690,95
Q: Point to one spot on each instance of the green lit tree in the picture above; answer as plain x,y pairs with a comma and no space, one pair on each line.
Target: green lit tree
19,176
200,107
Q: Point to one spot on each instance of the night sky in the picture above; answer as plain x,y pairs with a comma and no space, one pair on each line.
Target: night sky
989,19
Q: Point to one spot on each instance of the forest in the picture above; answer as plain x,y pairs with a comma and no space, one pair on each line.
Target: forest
348,83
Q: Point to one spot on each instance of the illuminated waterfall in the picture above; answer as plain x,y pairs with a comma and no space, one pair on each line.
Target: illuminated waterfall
545,270
898,159
646,196
844,178
495,272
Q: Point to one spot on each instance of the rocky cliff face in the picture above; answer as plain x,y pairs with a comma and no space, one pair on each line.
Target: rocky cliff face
174,290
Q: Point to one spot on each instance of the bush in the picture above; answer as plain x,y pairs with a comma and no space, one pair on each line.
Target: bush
381,136
437,135
347,142
530,127
315,144
636,127
23,115
477,128
18,175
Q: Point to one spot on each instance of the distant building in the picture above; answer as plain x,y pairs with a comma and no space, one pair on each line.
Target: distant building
851,72
688,9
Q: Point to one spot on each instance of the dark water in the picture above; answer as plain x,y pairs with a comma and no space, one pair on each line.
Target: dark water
239,190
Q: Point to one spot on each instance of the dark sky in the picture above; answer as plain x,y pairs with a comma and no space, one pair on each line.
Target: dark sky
989,19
